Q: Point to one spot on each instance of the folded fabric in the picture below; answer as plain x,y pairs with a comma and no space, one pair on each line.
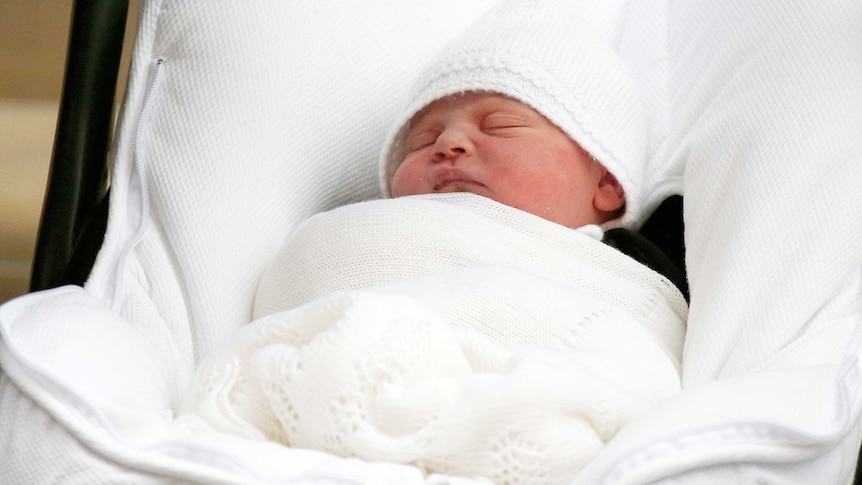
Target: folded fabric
468,338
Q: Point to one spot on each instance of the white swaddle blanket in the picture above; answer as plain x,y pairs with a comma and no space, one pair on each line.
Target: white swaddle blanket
449,332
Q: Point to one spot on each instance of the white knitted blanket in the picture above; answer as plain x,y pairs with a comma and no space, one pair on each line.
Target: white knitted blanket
448,332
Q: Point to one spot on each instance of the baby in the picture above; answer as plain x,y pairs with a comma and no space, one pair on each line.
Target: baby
493,145
572,85
474,324
497,147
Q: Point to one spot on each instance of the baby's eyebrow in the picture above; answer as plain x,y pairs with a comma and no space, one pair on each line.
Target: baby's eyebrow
417,130
414,130
418,119
415,133
509,118
505,113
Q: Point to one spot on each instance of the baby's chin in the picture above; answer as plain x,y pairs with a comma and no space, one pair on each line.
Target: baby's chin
463,186
447,194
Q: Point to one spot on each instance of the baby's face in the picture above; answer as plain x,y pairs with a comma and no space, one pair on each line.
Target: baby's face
498,147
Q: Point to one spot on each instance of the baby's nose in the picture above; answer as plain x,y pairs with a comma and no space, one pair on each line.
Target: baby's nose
451,144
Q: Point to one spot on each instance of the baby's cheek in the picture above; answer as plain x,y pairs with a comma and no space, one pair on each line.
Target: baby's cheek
408,180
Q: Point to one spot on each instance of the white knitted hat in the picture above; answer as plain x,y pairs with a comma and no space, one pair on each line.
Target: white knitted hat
543,54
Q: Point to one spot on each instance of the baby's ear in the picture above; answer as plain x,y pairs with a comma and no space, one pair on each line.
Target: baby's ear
609,196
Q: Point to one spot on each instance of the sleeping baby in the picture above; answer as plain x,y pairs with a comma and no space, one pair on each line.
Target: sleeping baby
473,323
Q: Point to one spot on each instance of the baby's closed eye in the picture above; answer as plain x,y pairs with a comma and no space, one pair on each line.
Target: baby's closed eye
503,123
420,140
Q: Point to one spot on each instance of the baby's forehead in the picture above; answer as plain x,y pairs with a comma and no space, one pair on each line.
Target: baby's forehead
469,100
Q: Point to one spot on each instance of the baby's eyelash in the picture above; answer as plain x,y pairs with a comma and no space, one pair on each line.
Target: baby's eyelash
502,122
421,140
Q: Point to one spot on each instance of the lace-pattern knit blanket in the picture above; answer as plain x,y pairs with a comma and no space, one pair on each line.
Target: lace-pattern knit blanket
448,332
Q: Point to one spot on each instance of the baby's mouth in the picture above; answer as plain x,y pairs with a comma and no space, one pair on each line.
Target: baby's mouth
455,181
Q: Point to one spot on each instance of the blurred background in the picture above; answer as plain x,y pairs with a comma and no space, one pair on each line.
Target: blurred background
33,39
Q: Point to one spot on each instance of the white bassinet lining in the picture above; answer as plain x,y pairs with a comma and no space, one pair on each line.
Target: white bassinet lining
137,190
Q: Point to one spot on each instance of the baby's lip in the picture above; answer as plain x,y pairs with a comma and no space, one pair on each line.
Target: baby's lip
449,178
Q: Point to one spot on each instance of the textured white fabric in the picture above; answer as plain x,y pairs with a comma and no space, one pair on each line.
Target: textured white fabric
104,416
764,109
641,43
762,118
547,56
27,427
263,116
484,341
380,241
766,117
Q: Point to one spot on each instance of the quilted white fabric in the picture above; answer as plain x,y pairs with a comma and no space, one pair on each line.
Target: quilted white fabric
757,112
384,241
765,113
247,132
764,104
416,328
104,415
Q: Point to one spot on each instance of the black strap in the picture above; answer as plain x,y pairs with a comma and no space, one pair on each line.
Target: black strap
645,252
665,228
78,175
